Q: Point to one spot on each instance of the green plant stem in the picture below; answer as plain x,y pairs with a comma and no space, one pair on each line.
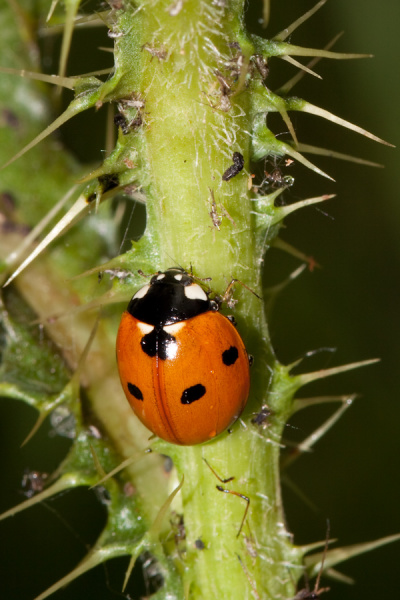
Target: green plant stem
192,123
187,144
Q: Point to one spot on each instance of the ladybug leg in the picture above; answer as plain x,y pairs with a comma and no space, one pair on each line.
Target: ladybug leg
232,319
216,474
222,489
246,498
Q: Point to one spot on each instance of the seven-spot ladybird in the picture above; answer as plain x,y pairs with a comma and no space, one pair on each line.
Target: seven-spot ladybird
183,366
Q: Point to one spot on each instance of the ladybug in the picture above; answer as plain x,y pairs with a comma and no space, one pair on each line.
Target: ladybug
183,366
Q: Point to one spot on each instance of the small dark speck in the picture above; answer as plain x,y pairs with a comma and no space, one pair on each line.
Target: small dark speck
168,463
109,181
7,203
120,121
233,170
10,119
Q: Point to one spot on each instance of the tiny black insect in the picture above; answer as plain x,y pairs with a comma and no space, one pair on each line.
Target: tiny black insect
120,121
238,164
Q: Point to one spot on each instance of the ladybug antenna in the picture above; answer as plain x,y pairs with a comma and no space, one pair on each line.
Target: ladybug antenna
178,265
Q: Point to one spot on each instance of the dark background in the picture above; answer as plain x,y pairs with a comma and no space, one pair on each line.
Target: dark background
350,305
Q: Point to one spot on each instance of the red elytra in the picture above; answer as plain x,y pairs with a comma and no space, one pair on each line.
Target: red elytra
183,365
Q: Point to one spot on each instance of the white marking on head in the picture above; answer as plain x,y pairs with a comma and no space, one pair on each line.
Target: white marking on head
160,276
178,277
195,292
142,292
174,328
145,328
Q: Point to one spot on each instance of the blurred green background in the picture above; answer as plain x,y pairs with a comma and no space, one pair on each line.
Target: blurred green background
349,307
352,303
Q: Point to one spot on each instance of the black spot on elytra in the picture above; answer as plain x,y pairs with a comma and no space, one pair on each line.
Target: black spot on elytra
230,356
134,390
193,393
156,343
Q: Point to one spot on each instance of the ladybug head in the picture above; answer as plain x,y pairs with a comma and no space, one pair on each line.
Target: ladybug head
170,297
172,276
